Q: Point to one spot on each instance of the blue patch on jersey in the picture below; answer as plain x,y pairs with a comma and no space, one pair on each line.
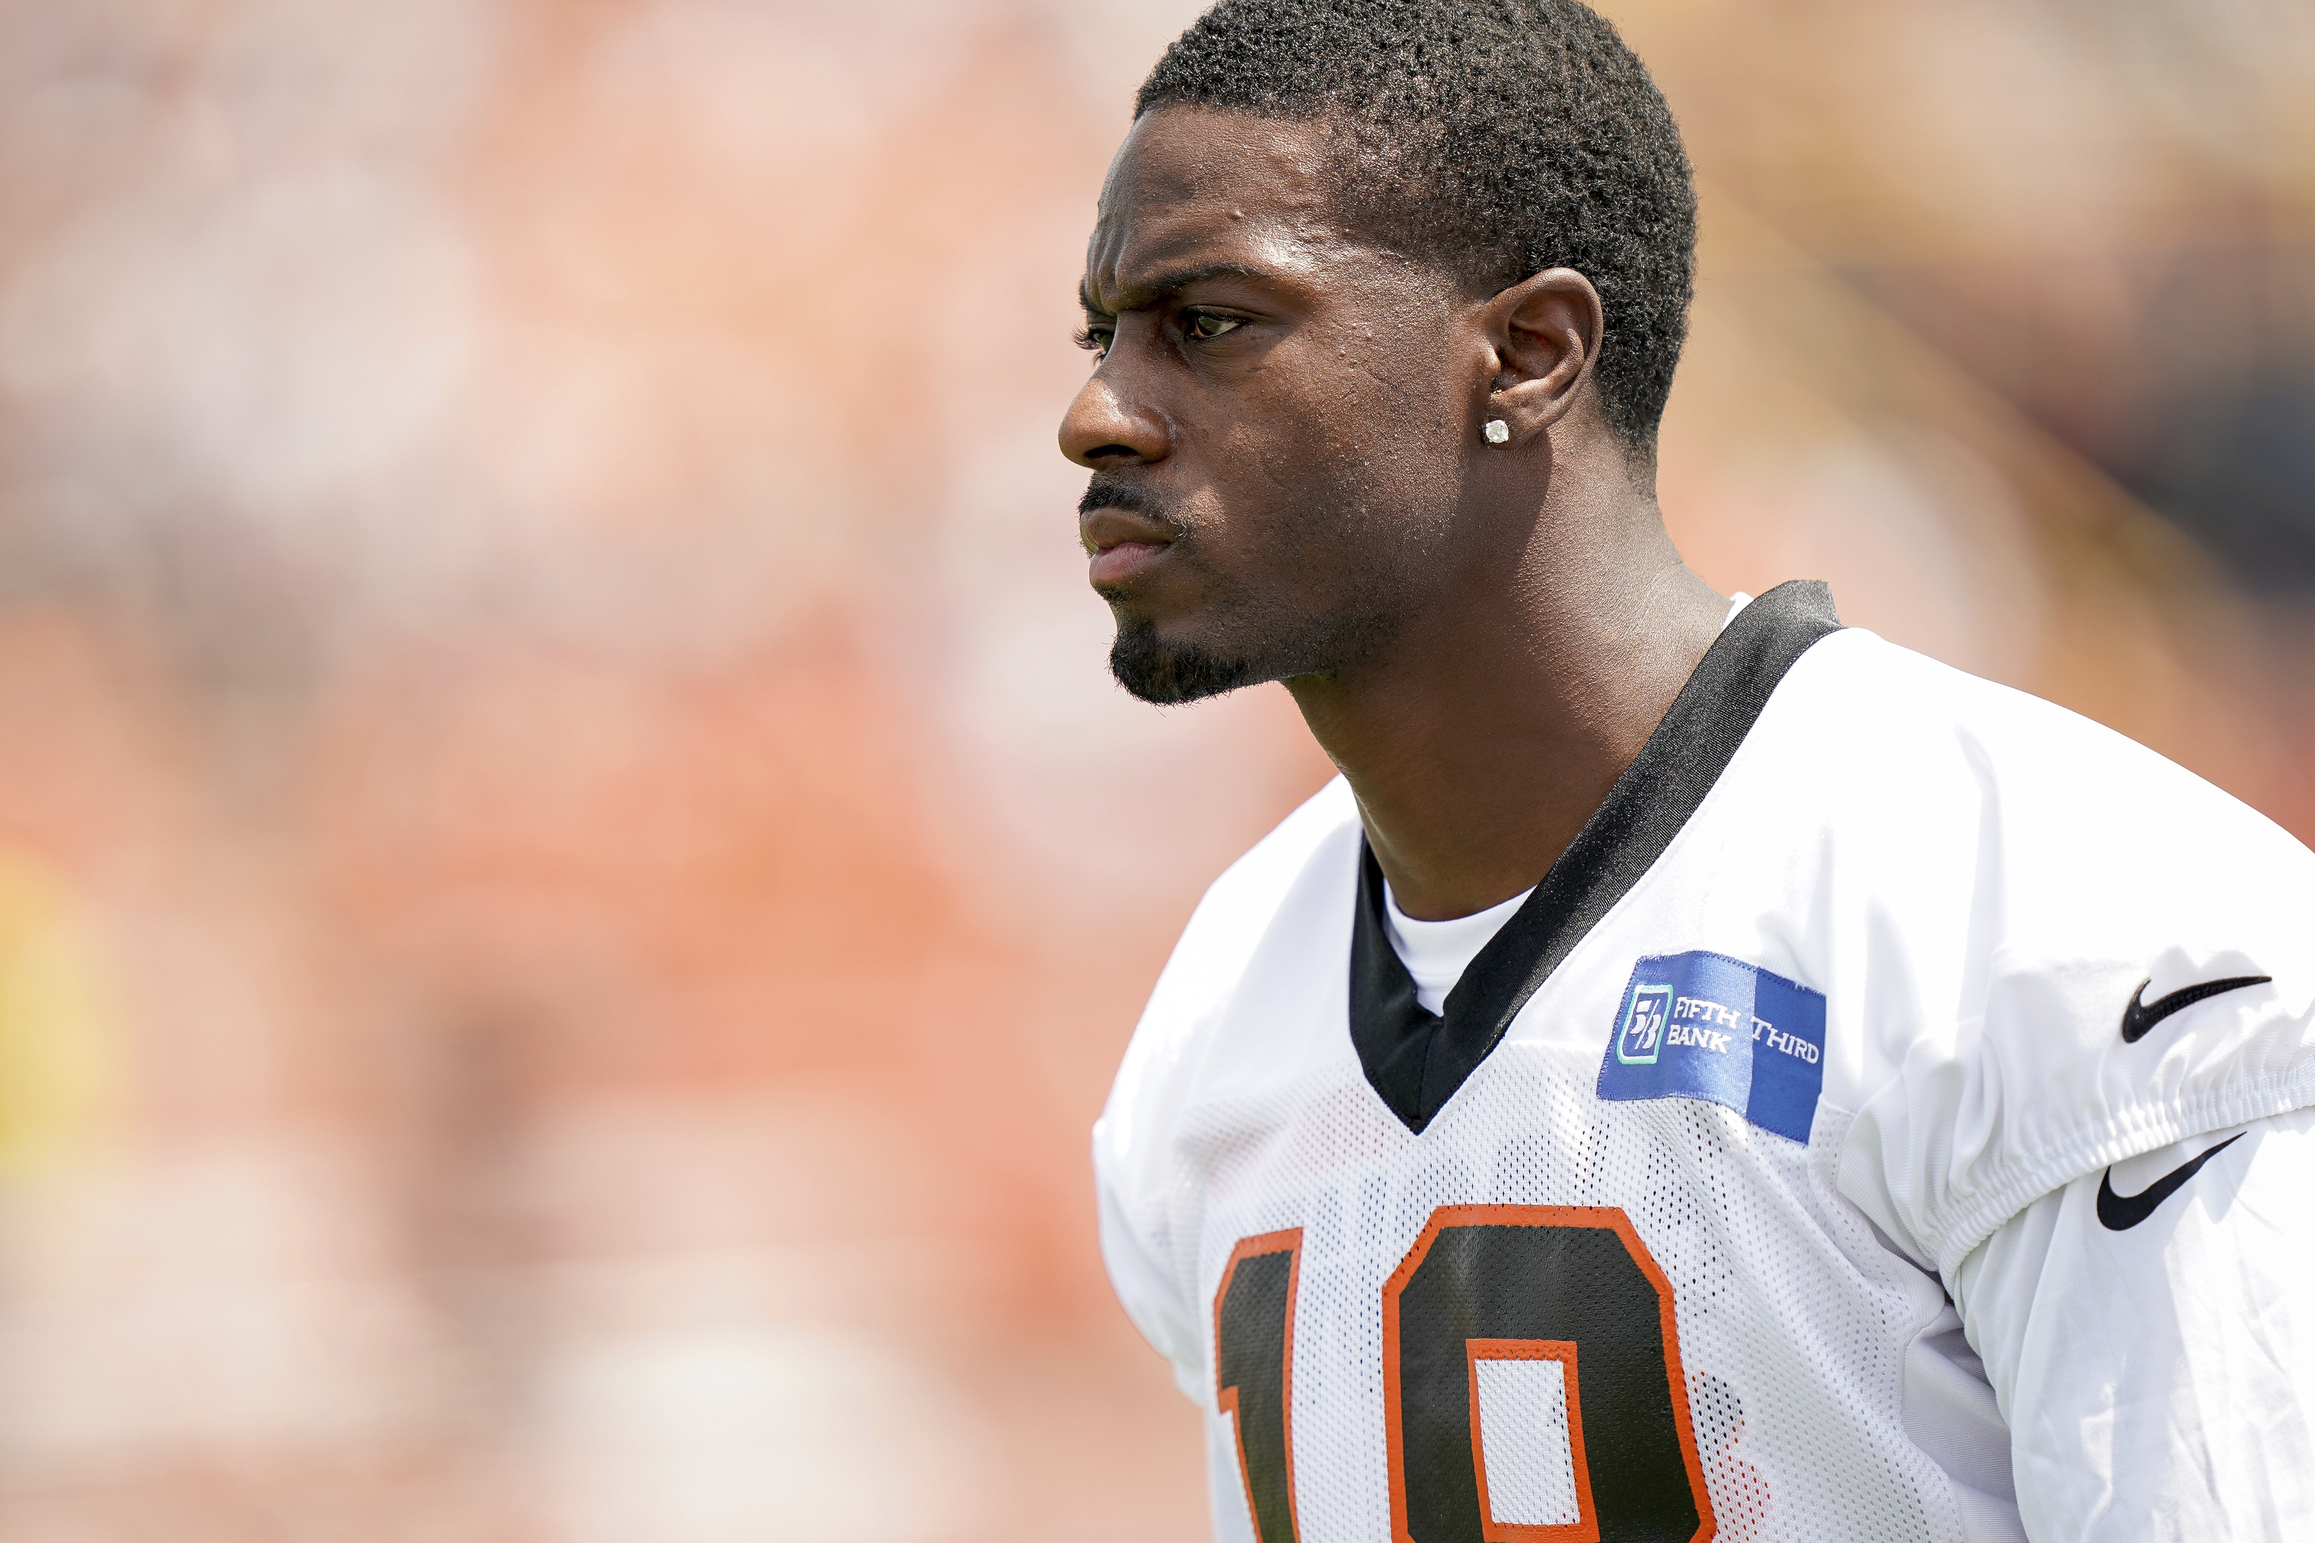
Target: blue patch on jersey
1700,1025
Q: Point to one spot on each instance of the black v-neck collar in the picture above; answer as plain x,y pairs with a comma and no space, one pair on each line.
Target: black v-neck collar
1415,1058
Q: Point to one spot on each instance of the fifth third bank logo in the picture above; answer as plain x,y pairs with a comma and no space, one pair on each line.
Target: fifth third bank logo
1644,1020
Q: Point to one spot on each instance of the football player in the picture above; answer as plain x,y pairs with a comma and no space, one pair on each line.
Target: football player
1701,1071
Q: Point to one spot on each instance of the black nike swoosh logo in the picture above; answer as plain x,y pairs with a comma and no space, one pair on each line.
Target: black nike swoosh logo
2141,1015
2120,1213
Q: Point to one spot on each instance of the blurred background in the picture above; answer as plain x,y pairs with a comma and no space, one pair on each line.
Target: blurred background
571,877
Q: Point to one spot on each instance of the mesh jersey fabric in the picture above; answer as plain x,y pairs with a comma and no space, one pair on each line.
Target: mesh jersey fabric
1972,881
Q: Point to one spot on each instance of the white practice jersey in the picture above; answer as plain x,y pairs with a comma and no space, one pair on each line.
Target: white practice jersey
1681,1221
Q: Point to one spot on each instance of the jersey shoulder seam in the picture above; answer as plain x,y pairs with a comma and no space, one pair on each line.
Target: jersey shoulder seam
2131,1131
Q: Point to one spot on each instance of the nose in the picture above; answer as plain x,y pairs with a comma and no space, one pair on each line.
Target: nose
1104,430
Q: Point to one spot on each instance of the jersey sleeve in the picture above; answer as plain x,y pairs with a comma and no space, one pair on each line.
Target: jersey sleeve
2149,1333
1130,1172
2075,952
1145,1288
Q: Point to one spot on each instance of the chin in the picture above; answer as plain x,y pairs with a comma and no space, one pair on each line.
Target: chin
1165,673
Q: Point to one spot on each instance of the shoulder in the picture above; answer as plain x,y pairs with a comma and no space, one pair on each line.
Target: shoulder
1241,907
1877,698
1949,774
1281,895
2005,877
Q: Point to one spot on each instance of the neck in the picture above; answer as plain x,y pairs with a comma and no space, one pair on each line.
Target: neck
1480,740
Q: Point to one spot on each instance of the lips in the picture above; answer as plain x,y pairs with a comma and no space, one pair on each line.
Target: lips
1116,564
1124,543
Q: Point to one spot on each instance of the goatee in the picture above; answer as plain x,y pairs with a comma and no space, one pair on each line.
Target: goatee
1166,674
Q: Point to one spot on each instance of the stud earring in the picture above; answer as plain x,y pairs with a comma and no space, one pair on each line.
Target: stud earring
1496,430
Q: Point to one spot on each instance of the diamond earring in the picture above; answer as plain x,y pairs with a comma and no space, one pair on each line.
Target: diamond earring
1496,430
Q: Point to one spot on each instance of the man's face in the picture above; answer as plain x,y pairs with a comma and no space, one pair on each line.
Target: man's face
1277,424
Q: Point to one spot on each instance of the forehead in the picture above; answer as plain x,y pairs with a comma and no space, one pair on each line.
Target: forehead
1194,188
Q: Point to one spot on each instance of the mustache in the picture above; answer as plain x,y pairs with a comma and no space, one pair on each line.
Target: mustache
1108,492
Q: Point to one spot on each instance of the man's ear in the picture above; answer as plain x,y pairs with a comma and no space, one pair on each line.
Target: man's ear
1546,333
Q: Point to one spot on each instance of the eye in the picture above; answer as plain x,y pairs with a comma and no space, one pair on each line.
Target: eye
1094,339
1205,326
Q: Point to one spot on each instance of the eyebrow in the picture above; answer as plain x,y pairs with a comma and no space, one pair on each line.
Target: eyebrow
1166,285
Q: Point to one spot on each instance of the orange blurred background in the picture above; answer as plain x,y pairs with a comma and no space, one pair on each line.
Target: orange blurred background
571,877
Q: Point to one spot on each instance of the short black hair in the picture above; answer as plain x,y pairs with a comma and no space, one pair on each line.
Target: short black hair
1496,137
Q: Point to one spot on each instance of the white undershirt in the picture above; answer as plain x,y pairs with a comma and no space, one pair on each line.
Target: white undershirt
1437,953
